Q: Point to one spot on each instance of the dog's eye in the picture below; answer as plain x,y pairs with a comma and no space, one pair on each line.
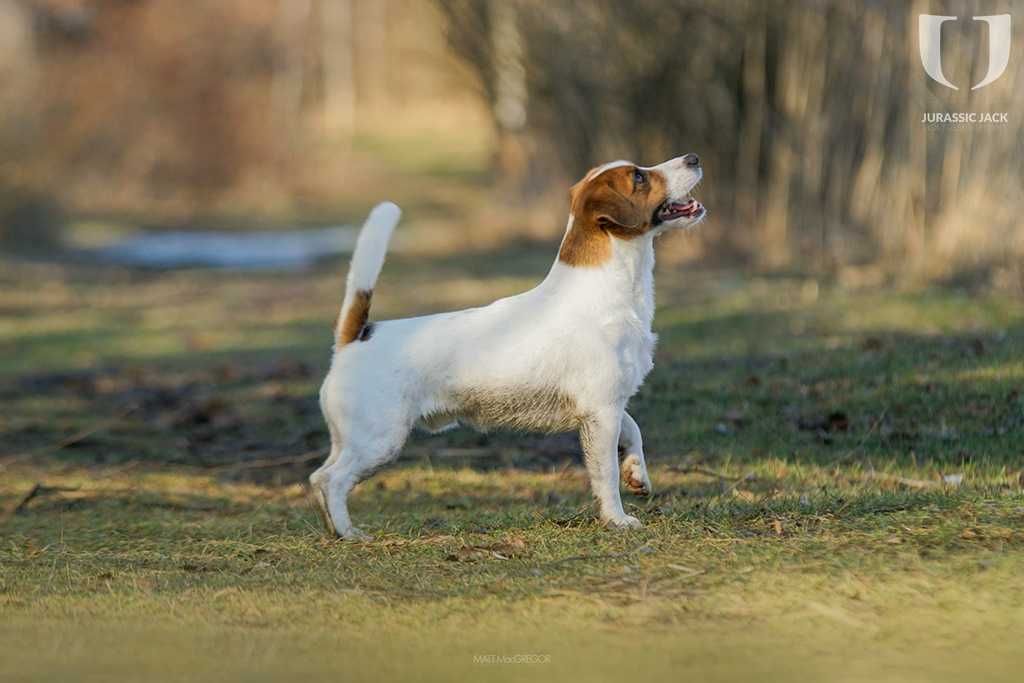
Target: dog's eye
639,178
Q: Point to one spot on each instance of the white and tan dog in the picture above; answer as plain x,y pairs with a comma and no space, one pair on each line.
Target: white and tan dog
566,355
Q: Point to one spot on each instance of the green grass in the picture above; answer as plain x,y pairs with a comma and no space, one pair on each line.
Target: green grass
799,436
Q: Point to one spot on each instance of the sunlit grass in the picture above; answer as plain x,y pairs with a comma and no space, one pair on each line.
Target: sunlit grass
796,577
837,475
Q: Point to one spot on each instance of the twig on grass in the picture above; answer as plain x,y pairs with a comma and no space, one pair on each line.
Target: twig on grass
37,491
749,476
606,556
694,469
860,444
731,483
268,463
168,500
73,439
922,484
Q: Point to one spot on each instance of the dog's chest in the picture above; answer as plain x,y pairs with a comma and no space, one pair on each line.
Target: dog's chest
634,350
634,341
621,327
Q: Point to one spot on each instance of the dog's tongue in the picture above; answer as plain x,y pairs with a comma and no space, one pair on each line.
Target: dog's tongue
673,210
687,208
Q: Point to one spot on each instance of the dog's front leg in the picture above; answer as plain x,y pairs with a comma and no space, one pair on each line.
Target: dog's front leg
599,436
631,448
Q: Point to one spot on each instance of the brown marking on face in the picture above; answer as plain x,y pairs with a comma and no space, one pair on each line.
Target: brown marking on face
615,203
350,328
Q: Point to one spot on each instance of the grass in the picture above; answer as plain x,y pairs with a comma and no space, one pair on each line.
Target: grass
838,478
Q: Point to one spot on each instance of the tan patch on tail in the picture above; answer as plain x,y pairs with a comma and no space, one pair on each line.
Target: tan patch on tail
351,325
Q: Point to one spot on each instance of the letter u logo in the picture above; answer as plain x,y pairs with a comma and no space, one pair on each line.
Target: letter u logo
929,32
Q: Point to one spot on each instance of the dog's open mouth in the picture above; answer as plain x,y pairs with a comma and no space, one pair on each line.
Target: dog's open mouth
671,210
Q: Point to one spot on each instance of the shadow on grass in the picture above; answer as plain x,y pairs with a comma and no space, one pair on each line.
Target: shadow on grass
738,384
926,398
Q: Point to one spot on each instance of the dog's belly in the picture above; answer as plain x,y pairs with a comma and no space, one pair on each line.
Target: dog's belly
529,409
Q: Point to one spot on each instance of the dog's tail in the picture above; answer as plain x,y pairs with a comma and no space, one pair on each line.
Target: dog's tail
367,260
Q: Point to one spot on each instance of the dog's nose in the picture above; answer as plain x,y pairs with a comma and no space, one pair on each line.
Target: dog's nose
691,160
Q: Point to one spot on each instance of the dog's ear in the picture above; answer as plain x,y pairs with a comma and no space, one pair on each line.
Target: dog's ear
611,210
574,195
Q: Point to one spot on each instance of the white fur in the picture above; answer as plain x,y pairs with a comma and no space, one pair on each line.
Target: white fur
583,334
371,247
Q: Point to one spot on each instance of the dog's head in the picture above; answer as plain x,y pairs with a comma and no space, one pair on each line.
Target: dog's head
623,200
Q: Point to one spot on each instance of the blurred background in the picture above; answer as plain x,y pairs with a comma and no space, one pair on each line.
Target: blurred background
124,115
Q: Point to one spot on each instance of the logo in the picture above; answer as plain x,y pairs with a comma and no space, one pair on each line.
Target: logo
929,30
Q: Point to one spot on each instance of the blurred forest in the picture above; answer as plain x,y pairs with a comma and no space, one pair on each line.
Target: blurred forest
807,114
174,112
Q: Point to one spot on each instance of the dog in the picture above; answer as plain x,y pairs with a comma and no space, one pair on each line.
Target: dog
565,356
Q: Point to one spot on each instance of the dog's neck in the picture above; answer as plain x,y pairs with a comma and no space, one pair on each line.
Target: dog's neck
625,280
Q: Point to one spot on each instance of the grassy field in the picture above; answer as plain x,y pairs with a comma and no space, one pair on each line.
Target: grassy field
838,477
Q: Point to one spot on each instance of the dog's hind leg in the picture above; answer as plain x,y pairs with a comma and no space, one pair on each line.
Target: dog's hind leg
633,466
359,459
318,480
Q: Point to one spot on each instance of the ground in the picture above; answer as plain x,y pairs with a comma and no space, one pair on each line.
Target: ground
838,477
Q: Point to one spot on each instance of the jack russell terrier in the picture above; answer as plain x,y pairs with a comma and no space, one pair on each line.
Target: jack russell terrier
566,355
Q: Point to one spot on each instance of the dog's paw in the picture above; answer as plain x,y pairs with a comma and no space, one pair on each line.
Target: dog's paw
623,522
354,533
634,476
